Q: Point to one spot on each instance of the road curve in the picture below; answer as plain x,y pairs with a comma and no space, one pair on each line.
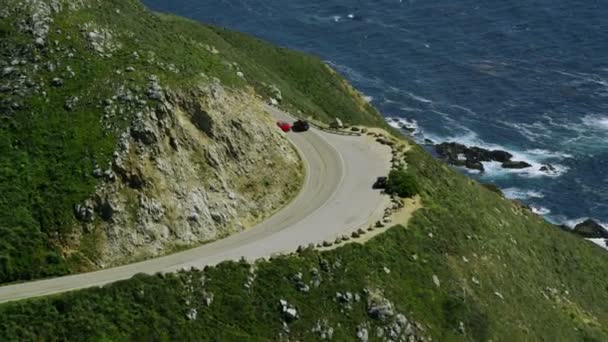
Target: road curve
336,198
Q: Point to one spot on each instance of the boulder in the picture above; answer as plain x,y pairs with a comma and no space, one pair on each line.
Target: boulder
379,308
515,165
591,229
56,82
381,312
141,132
84,212
192,314
474,165
472,157
106,210
548,168
336,124
362,334
500,156
289,312
436,280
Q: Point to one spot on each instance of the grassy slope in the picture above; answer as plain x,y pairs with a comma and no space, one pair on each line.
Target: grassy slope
47,153
509,251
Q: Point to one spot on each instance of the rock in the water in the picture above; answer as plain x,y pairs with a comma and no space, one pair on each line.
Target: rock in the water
547,168
590,229
472,157
515,165
500,156
474,165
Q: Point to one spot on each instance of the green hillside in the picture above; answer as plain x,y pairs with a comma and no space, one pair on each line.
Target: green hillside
53,128
469,266
502,271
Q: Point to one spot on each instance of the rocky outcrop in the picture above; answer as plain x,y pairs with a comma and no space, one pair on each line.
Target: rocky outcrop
378,307
472,157
198,166
515,164
288,311
391,325
591,229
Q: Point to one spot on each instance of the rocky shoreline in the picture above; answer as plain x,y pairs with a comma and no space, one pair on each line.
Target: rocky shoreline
589,229
474,157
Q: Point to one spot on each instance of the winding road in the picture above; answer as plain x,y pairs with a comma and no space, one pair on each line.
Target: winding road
336,199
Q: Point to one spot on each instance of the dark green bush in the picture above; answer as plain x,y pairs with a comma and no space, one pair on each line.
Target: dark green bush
401,183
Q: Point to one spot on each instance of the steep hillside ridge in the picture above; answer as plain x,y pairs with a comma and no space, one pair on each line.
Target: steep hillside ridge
198,167
85,80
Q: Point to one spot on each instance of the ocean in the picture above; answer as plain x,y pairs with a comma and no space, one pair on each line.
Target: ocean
526,76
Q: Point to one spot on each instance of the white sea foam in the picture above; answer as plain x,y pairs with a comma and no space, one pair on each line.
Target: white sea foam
596,121
409,126
523,194
573,222
418,98
409,109
546,154
534,132
600,242
538,210
409,94
368,98
536,157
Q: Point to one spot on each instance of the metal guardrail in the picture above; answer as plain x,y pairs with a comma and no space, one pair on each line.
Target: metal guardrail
335,131
324,129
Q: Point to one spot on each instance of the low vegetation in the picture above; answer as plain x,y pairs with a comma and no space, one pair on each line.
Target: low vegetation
402,183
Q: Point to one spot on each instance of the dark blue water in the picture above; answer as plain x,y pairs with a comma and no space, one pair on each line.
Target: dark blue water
528,76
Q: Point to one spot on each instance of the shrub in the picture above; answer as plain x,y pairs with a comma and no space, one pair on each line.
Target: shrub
401,183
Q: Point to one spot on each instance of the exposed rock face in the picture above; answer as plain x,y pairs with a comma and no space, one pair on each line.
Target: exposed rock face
378,307
590,229
391,325
289,312
197,167
472,157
